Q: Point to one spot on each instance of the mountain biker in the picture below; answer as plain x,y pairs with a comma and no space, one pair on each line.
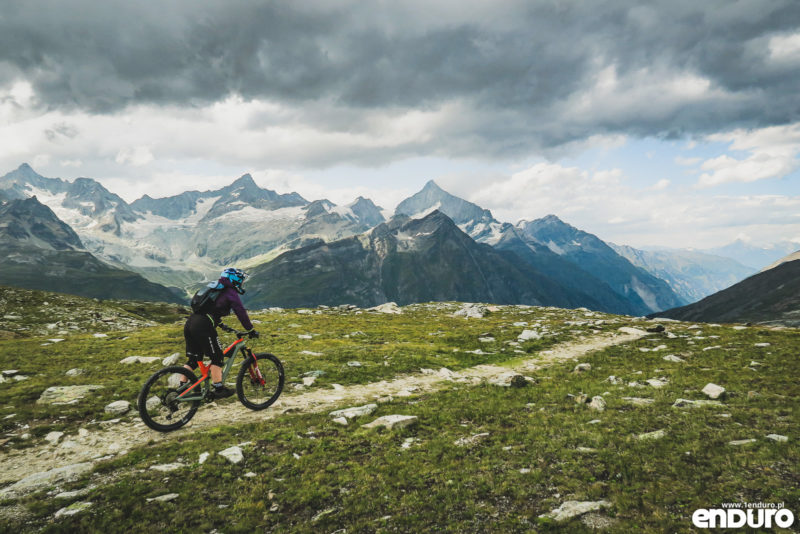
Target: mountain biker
200,329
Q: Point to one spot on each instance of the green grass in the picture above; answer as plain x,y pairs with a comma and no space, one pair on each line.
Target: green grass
364,481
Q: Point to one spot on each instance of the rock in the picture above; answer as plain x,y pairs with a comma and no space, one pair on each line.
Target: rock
509,379
686,403
444,372
65,394
471,311
310,353
340,421
471,440
139,359
99,335
585,449
528,335
739,442
305,336
713,391
172,359
486,339
118,407
570,509
72,509
357,411
203,457
315,374
632,331
166,468
74,493
656,382
673,358
75,372
582,367
10,372
20,378
656,328
407,443
387,307
152,403
45,479
658,434
777,438
613,380
53,437
761,345
353,364
232,454
164,498
597,404
393,421
594,422
309,380
638,401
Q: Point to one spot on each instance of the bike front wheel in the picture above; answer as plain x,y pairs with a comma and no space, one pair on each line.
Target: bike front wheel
158,402
260,381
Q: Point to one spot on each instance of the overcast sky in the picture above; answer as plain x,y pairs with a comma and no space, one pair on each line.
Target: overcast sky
673,123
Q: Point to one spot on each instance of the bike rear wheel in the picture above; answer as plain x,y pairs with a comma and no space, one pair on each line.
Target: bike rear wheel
260,381
158,403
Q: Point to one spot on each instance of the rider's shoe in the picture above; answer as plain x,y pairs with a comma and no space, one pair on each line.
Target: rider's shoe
221,392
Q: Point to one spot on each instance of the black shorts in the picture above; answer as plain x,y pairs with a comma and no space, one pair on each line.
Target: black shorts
201,340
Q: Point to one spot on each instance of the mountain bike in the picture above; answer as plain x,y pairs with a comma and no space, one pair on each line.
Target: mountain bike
167,403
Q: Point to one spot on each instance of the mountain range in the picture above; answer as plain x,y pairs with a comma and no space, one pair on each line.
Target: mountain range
184,239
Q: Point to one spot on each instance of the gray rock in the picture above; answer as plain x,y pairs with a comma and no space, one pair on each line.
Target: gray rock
139,359
232,454
778,438
340,421
393,421
529,334
658,434
471,440
308,381
45,479
686,403
471,311
356,411
638,401
354,364
713,391
75,372
152,403
597,404
582,367
164,498
118,407
203,457
172,359
570,509
166,468
632,331
53,437
673,358
387,307
656,382
72,509
739,442
65,394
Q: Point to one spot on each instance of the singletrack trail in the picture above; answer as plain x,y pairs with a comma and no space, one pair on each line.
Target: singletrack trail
103,440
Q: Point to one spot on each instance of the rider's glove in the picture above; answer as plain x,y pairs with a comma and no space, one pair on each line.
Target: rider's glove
253,333
225,328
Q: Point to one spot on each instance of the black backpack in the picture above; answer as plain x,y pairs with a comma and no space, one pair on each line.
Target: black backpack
203,301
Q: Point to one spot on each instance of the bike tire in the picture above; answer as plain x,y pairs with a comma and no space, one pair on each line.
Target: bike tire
160,394
254,393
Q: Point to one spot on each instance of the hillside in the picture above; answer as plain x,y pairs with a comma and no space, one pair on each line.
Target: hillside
771,296
477,455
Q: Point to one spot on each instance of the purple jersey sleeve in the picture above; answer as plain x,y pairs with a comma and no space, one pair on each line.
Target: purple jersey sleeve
229,299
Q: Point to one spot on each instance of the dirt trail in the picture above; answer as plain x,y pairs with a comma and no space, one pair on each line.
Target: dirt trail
106,440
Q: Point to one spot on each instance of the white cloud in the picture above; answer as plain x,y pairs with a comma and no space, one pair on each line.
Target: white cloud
661,185
773,153
136,156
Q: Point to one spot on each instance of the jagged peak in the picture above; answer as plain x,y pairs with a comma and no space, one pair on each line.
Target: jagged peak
431,185
245,180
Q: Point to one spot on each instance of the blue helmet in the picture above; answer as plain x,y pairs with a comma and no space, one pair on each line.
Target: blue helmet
236,276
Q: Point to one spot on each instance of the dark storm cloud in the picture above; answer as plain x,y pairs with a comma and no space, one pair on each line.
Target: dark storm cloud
519,69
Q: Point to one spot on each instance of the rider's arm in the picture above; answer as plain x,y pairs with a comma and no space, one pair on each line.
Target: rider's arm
241,313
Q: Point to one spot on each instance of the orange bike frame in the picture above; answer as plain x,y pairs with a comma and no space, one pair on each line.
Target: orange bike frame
204,369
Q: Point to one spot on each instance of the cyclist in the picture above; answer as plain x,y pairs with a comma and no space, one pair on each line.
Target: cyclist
200,329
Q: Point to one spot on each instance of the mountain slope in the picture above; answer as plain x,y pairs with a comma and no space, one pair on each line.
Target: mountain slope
754,255
42,252
405,261
646,292
771,296
692,275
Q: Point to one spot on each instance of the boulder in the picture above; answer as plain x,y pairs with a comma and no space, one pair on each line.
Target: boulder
45,479
686,403
65,394
658,434
656,382
713,391
570,509
739,442
582,368
166,468
172,359
118,407
232,454
387,307
72,509
777,438
164,498
75,372
638,401
203,457
53,437
528,335
393,421
597,404
471,311
139,359
356,411
632,331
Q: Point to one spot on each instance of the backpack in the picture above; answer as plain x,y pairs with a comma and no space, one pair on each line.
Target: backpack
203,301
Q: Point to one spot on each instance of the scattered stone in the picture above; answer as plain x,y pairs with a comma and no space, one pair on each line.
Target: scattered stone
486,339
582,367
72,509
613,380
305,336
597,404
638,401
739,442
706,349
632,331
10,372
74,493
309,380
203,457
407,443
55,340
172,359
393,421
387,307
471,311
232,454
166,468
139,359
658,434
777,438
53,437
99,335
250,474
586,449
45,479
65,394
673,358
686,403
310,353
164,498
656,382
471,440
75,372
594,422
713,391
118,407
357,411
762,345
444,372
570,509
152,403
353,364
340,421
527,335
20,378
